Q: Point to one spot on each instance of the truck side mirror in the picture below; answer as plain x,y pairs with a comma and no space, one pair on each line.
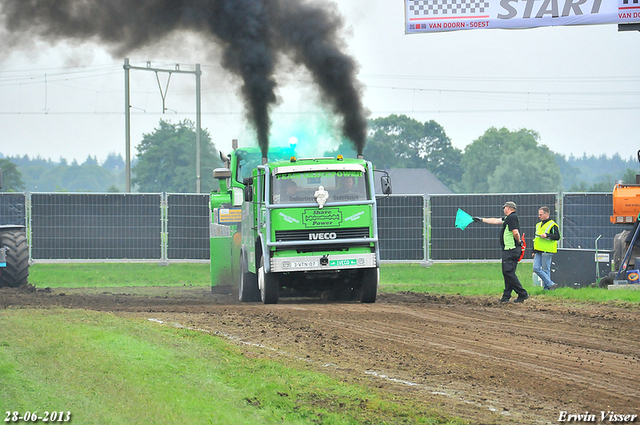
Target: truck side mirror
248,193
385,182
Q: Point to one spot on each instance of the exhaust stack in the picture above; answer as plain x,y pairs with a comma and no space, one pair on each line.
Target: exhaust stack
264,160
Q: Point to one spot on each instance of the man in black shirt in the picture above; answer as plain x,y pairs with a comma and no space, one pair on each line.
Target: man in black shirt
511,247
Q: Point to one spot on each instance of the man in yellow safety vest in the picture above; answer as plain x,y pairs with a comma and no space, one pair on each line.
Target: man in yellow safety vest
545,244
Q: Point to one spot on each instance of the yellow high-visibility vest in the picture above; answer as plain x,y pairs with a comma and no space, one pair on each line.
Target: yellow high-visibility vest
542,244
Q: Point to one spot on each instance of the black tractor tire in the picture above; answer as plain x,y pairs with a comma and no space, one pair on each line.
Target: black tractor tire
248,288
17,253
270,286
605,282
370,279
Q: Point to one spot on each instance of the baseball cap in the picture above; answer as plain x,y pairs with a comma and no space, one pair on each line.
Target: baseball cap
510,205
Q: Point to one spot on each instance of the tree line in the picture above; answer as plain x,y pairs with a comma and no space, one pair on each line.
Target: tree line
498,161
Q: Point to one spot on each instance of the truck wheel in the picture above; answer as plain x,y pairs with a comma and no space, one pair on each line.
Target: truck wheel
248,291
370,278
268,283
17,252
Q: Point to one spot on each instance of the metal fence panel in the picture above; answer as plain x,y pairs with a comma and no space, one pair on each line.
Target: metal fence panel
96,226
188,218
480,241
585,217
133,226
401,228
12,209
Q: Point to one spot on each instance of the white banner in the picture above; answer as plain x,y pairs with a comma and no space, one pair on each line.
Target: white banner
450,15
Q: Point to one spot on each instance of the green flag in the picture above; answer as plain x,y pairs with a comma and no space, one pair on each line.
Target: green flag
463,219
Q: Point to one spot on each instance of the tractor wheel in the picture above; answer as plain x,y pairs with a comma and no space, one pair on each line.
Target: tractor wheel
248,291
605,282
17,252
268,283
370,279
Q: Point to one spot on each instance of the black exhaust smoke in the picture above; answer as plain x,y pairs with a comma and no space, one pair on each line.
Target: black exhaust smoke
251,32
310,34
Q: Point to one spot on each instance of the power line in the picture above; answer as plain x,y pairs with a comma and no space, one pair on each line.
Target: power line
373,111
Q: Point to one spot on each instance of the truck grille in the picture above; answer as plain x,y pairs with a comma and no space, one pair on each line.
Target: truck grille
319,234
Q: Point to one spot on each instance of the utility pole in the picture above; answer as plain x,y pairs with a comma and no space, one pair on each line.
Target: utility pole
127,108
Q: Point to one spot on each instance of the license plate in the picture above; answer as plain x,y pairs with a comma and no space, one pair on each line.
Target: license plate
303,264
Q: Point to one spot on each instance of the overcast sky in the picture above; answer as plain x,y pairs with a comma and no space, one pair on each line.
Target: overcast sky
578,87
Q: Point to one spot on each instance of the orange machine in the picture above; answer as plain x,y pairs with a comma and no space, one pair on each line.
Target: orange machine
626,210
626,203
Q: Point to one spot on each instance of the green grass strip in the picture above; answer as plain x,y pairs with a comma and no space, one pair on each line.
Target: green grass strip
90,275
439,278
108,370
483,279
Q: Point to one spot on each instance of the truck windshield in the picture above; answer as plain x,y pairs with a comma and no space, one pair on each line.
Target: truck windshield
300,187
250,158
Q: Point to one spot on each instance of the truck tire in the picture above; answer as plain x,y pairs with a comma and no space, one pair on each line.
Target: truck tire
268,283
248,288
17,252
370,279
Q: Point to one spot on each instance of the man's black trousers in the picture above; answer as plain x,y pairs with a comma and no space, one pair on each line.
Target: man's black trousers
511,281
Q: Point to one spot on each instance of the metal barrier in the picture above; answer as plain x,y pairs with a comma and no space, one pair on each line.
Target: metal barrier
585,217
479,241
401,228
96,226
175,227
188,217
12,209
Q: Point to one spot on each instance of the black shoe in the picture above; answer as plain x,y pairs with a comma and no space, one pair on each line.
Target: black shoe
521,299
553,287
504,300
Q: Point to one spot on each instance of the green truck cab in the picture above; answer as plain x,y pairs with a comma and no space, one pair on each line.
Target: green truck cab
295,227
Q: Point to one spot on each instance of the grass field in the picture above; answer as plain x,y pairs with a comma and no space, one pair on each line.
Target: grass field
440,278
105,369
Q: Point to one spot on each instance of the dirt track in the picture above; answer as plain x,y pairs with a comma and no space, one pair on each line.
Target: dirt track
471,357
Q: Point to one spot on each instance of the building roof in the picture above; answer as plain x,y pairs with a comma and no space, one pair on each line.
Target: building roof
413,181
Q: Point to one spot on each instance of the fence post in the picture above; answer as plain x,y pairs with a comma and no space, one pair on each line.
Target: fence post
427,227
560,212
164,231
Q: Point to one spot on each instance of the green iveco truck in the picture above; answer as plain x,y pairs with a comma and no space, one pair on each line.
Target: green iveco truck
287,226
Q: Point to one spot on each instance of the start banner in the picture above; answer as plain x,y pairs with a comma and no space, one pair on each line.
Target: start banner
450,15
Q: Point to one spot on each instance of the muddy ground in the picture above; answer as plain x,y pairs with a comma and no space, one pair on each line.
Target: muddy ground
467,356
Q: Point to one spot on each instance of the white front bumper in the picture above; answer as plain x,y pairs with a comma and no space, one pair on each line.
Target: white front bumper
314,263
